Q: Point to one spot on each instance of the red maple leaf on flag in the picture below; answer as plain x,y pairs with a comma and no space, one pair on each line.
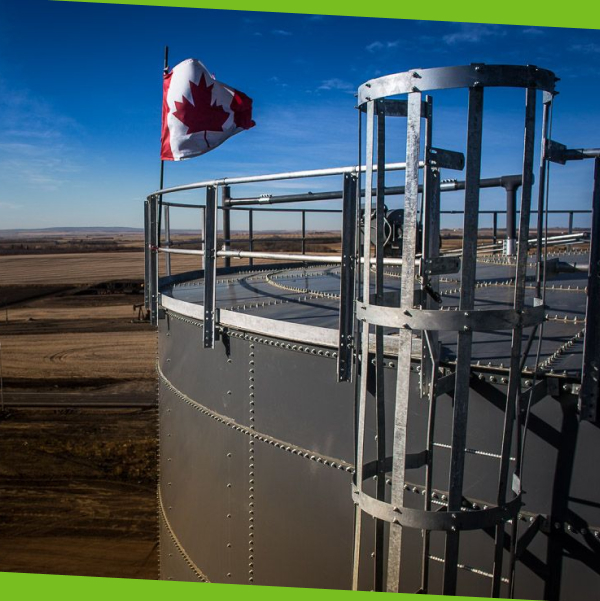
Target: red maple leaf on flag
203,114
241,105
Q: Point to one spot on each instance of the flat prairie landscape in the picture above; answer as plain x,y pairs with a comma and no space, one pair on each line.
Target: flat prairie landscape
72,269
78,420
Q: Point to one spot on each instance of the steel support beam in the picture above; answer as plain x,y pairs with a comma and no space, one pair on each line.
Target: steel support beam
407,297
589,397
465,338
347,280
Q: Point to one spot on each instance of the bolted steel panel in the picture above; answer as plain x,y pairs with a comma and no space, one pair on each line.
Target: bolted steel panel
215,377
203,486
299,400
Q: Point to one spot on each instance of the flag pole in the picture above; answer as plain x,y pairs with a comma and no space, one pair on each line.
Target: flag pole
162,163
165,71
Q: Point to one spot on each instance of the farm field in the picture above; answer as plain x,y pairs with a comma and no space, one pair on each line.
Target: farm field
78,492
78,422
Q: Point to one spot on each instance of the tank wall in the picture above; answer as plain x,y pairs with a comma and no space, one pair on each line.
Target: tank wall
256,442
255,447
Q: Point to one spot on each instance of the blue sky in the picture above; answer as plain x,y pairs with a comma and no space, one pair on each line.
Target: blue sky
80,100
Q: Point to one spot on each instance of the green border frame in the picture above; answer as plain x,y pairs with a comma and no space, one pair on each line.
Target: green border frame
586,15
509,12
66,588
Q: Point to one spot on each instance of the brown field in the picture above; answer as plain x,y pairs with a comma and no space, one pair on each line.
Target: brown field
77,268
84,269
78,430
78,492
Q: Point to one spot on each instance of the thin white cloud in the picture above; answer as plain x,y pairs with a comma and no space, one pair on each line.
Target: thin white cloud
473,33
378,46
11,206
281,32
586,48
533,31
337,84
277,81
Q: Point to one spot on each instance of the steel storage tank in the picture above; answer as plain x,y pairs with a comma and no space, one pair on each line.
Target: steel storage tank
283,433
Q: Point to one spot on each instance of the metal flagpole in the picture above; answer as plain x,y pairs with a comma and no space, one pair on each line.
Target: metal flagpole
162,163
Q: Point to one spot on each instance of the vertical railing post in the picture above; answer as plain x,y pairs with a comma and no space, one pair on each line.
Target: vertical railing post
210,265
225,197
153,266
167,239
202,232
495,227
147,255
251,235
303,232
570,222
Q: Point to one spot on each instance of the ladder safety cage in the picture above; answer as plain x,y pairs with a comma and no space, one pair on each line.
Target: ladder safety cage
417,319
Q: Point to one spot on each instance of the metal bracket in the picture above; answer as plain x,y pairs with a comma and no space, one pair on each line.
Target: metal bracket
446,159
437,520
559,153
541,389
445,384
393,107
529,535
441,265
555,152
486,320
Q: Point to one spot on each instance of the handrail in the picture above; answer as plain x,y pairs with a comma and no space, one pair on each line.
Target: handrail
228,181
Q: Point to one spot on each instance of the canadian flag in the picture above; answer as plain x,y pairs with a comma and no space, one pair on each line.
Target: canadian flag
199,113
